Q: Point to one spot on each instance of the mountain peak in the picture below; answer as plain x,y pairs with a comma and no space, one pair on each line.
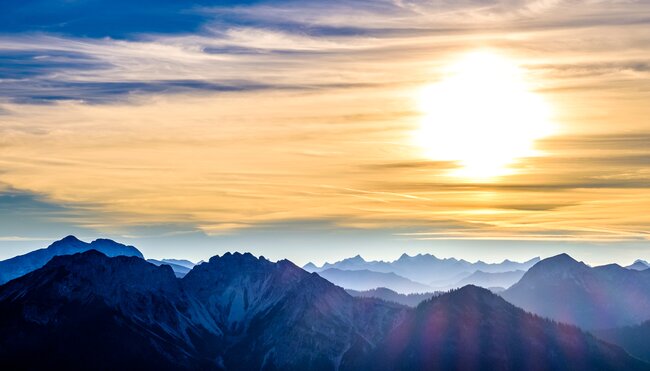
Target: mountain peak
355,259
66,242
405,256
233,257
563,258
70,238
639,265
562,263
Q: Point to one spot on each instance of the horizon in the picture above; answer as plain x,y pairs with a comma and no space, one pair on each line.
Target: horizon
302,263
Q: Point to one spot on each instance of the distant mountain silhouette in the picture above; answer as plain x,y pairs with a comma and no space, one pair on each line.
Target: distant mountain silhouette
411,300
23,264
425,268
180,270
367,280
639,265
634,339
473,329
491,279
238,312
181,262
593,298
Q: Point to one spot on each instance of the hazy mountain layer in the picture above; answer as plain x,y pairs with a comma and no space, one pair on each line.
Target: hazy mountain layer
367,280
593,298
493,279
179,270
411,300
425,268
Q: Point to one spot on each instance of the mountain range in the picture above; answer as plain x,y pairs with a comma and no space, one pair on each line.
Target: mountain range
23,264
569,291
425,268
100,305
238,312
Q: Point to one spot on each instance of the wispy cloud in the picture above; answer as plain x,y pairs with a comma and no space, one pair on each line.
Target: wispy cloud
248,114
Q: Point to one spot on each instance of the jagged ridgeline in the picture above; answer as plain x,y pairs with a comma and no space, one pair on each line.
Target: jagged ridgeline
237,312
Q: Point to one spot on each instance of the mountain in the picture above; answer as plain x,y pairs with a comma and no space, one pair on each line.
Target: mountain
278,316
89,311
23,264
602,297
235,312
425,267
471,329
495,279
634,339
238,312
181,262
366,280
639,265
180,270
410,300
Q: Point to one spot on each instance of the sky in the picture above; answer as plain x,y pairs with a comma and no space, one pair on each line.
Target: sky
315,130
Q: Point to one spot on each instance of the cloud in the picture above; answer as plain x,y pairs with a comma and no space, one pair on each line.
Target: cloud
236,115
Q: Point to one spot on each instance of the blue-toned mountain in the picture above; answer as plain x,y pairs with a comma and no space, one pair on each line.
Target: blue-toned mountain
23,264
569,291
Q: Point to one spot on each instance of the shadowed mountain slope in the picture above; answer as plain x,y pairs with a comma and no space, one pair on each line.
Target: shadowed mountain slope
602,297
473,329
238,312
410,300
94,312
368,280
634,339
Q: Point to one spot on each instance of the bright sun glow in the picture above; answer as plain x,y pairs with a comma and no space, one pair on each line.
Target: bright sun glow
483,115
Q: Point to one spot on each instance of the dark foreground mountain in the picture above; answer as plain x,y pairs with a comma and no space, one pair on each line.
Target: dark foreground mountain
385,294
23,264
602,297
473,329
238,312
634,339
88,311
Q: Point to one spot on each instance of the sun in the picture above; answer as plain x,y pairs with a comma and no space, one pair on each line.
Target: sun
482,115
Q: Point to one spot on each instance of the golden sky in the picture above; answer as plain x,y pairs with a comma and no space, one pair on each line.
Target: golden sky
311,113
